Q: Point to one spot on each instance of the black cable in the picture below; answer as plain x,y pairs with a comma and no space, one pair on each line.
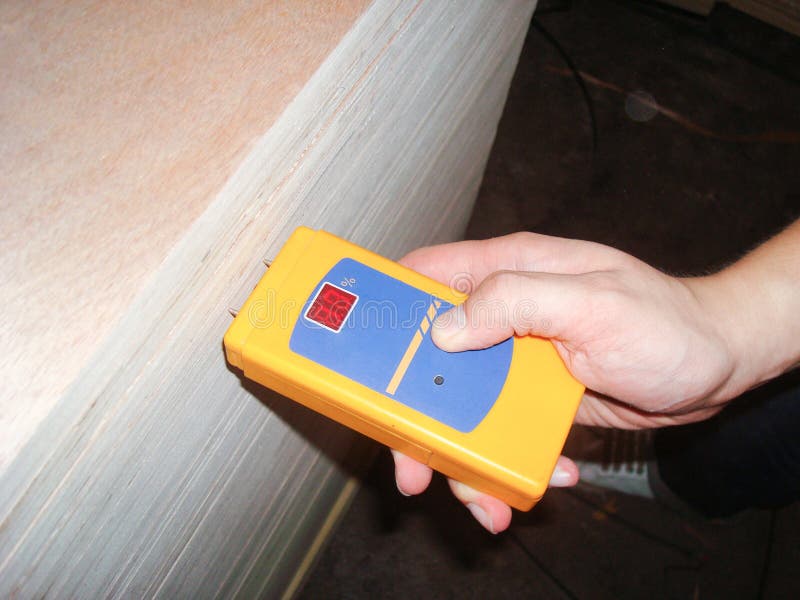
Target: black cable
545,8
762,580
688,553
576,74
555,580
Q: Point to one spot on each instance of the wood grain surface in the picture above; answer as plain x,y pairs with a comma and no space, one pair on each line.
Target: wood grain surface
119,123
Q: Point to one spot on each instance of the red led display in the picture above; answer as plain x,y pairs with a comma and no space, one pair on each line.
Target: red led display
331,307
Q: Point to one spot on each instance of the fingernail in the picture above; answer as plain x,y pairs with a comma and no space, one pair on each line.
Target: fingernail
560,478
481,516
397,456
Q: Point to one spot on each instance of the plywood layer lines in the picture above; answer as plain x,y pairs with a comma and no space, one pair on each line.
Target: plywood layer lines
151,157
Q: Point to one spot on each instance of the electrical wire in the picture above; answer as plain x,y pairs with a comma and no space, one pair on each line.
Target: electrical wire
686,552
536,24
546,8
535,560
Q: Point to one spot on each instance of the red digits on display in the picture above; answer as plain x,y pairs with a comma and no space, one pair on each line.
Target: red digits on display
331,307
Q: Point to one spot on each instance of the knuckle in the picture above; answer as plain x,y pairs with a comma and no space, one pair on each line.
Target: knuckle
493,304
606,290
501,283
524,237
502,287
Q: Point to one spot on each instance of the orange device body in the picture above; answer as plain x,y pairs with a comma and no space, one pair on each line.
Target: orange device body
347,333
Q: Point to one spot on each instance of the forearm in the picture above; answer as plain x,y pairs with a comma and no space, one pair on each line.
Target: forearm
755,304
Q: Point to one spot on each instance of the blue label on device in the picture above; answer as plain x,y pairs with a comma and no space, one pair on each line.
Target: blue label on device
376,330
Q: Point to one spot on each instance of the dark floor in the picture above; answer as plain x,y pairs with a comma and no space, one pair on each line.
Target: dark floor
687,189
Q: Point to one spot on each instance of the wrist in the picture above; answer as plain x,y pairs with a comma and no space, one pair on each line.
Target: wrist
723,314
738,313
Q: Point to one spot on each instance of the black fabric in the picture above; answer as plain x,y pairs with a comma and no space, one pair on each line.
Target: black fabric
748,456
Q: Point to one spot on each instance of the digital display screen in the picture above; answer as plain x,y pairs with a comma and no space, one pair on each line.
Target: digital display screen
331,307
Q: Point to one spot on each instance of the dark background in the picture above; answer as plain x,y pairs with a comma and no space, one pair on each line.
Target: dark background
687,189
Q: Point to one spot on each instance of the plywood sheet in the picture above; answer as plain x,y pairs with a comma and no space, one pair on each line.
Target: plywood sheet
119,123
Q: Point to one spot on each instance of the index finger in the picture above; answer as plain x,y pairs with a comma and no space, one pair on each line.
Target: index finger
522,251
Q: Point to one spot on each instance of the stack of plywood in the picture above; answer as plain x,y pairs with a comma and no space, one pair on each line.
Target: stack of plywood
151,156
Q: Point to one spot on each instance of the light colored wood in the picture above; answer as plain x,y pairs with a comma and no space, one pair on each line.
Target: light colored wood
158,471
337,511
119,123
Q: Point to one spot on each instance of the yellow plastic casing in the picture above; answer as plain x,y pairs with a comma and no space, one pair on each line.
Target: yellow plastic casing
511,453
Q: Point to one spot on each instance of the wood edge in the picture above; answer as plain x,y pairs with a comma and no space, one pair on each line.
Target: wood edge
335,514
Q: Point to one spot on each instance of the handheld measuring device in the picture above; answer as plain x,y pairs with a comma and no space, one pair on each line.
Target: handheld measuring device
347,333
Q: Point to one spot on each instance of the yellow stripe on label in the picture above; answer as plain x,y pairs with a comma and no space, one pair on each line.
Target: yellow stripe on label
424,325
432,312
401,369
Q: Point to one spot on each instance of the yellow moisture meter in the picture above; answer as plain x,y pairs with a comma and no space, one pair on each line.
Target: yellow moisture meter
347,333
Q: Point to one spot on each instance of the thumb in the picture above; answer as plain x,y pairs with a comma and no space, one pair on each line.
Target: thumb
510,303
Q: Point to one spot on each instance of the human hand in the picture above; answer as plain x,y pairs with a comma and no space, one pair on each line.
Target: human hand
641,341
